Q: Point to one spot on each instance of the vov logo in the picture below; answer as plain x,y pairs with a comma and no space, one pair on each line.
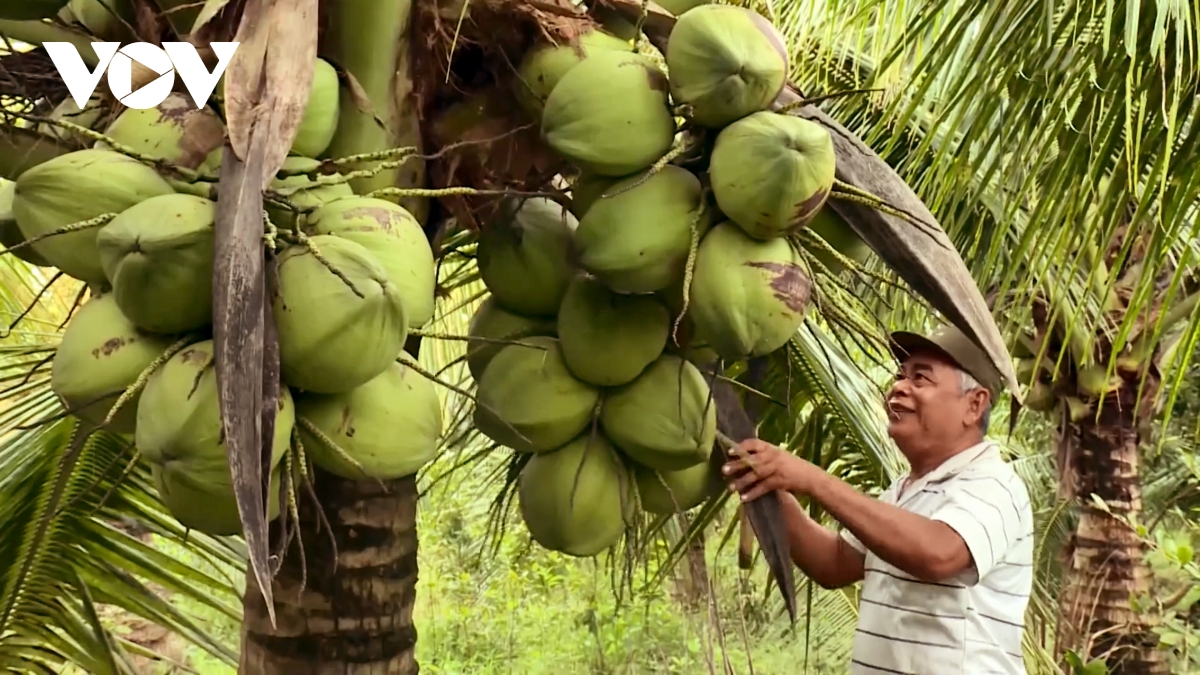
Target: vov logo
118,61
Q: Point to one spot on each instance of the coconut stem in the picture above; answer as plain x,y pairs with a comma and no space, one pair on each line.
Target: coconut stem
689,270
332,446
189,175
305,241
674,153
140,383
874,203
458,192
4,333
65,229
795,105
471,338
390,153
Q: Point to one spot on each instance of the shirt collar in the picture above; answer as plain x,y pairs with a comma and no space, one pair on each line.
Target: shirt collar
985,449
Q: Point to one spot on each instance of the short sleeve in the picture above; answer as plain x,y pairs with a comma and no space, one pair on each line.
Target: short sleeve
855,544
984,510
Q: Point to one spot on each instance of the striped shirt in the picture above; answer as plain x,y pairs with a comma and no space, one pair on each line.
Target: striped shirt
971,623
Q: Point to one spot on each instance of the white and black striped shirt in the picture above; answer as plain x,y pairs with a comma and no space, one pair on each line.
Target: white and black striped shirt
972,623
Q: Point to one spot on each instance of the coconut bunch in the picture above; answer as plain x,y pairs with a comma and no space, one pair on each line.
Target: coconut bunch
592,352
133,217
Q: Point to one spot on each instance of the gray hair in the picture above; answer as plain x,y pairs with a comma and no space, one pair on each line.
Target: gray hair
967,383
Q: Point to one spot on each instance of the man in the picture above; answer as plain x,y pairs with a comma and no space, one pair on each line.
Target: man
946,553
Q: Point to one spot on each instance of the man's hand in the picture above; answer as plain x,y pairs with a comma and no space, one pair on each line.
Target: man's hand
756,468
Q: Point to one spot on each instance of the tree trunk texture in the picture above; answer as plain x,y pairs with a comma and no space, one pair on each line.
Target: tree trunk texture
1106,563
691,580
348,612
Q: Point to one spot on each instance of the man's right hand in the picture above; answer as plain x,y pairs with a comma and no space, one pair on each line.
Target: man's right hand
756,468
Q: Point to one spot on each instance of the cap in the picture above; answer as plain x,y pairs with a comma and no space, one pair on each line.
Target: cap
954,344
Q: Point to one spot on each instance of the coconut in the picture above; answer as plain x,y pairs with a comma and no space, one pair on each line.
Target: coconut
748,297
576,499
675,491
10,234
30,10
75,187
179,429
199,505
493,322
1040,397
665,419
524,254
394,238
638,241
678,7
174,131
330,339
544,66
158,255
179,416
586,189
610,114
529,401
836,232
608,339
303,193
1094,381
725,62
363,423
107,19
101,354
320,119
771,172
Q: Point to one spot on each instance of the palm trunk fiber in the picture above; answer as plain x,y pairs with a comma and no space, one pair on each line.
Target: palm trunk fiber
1107,567
350,612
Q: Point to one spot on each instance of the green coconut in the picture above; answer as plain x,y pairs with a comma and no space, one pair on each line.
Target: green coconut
73,188
544,66
101,354
836,232
725,62
30,10
179,416
320,119
529,401
390,426
665,419
678,7
200,506
394,238
1040,397
608,339
576,499
638,241
331,340
771,172
675,491
158,256
107,19
179,429
303,192
493,322
610,114
10,233
587,189
748,297
523,257
174,131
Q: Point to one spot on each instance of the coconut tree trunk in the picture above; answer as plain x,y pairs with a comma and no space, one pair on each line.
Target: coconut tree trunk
1106,566
344,606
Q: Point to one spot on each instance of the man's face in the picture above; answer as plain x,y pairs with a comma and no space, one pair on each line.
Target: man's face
926,406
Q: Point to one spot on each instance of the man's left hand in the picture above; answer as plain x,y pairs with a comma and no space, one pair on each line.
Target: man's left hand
756,468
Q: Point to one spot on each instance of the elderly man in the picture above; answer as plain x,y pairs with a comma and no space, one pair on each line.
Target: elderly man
946,553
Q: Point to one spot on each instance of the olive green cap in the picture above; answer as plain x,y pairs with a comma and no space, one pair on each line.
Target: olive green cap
955,345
